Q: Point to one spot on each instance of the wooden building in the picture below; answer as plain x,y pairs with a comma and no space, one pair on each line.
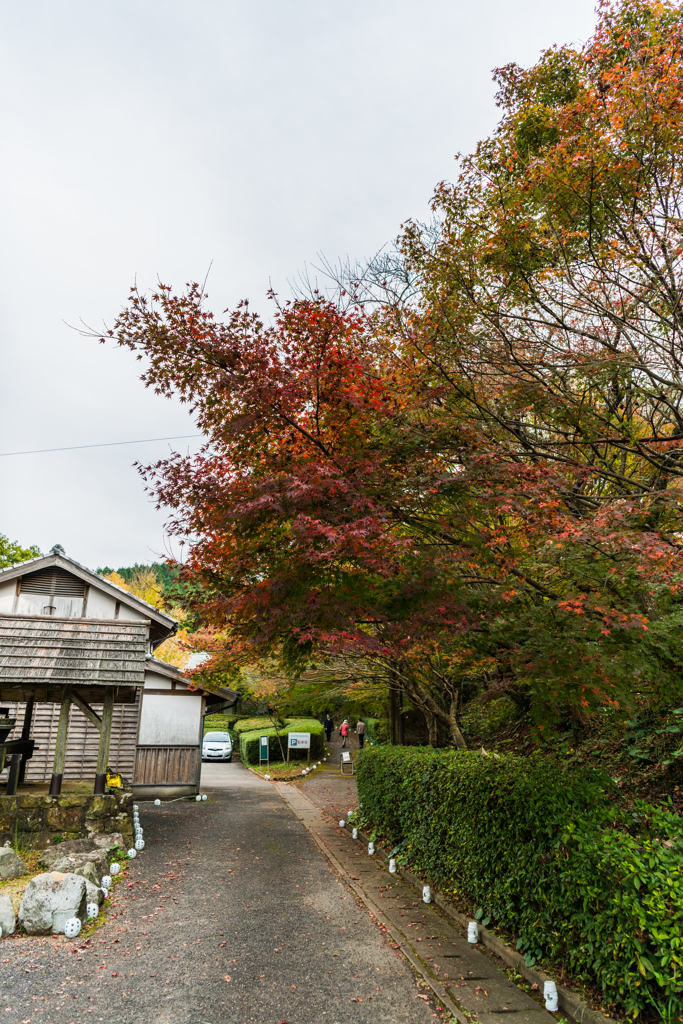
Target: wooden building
77,672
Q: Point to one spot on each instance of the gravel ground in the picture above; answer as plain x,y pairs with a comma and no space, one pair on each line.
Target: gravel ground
236,891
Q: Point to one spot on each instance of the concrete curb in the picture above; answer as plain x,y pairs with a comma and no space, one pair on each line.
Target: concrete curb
569,1002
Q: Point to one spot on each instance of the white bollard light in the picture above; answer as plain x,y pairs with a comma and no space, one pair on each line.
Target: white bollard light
354,834
72,927
114,869
392,865
550,995
473,932
139,844
426,894
135,807
371,848
157,802
204,796
92,910
342,823
106,881
267,776
132,853
198,798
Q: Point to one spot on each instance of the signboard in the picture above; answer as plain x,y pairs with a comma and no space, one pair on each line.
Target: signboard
346,757
300,740
263,753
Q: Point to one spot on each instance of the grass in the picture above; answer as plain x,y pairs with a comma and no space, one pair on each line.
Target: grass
280,771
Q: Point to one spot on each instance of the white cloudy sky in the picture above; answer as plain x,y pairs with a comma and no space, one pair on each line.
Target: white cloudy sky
147,138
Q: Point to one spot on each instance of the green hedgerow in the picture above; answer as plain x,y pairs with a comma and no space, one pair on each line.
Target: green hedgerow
548,852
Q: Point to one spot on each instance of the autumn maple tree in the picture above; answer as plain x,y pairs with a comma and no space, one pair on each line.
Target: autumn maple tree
474,480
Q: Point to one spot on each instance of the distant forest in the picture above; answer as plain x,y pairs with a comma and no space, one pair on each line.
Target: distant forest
164,573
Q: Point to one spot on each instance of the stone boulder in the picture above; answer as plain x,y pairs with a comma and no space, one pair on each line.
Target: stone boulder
78,847
89,871
7,919
11,864
93,893
50,900
97,860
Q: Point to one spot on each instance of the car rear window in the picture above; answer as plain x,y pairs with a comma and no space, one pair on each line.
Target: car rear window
219,737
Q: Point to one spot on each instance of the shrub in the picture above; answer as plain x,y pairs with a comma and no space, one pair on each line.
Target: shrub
372,727
249,724
547,852
249,742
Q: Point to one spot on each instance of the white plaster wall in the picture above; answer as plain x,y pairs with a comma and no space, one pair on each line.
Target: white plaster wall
7,591
155,681
101,606
169,721
35,604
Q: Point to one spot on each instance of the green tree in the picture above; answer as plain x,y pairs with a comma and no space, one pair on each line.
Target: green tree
11,553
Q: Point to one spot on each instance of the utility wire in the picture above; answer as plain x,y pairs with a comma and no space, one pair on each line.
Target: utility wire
108,444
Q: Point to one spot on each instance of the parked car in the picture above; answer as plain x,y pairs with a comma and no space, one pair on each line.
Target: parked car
217,746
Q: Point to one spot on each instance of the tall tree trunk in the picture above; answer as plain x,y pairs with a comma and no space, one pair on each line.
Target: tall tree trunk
457,737
432,728
393,715
401,720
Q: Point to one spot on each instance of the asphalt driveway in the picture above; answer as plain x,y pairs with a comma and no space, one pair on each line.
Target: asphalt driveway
232,913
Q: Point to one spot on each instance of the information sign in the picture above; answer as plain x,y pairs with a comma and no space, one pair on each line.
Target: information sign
300,740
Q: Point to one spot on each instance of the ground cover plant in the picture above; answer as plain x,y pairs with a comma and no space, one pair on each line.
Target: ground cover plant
550,853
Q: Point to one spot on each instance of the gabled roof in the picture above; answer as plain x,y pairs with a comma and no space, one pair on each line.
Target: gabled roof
165,625
177,675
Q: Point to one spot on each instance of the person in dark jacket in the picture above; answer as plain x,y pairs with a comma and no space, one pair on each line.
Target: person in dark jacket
328,726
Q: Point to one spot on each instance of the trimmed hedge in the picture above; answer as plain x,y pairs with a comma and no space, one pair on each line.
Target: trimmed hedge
372,727
547,852
249,741
249,724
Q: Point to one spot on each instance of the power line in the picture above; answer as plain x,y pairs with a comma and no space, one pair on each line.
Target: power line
108,444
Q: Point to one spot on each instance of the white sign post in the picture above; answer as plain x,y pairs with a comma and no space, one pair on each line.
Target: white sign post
299,741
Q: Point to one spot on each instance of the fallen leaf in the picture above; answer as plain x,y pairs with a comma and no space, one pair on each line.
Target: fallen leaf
227,977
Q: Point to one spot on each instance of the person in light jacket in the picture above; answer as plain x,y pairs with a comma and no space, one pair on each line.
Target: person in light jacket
360,730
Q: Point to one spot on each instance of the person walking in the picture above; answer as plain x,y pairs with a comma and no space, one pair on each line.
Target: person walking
328,725
344,731
360,731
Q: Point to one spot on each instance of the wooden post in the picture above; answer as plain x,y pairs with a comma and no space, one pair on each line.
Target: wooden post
26,733
60,746
15,766
105,738
393,715
401,720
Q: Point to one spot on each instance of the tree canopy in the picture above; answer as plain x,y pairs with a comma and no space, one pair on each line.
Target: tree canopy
475,479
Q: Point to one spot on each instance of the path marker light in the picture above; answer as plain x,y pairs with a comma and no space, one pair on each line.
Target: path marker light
371,848
72,927
157,802
92,910
106,881
354,834
392,865
426,894
114,869
139,844
135,807
550,995
204,796
342,823
132,853
198,798
472,932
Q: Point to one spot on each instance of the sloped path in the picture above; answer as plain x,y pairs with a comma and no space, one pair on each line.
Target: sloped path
231,914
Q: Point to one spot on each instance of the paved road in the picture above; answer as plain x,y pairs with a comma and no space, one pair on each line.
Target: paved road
231,914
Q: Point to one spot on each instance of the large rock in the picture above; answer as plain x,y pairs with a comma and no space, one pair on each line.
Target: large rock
88,871
50,900
7,919
77,847
93,893
98,859
11,864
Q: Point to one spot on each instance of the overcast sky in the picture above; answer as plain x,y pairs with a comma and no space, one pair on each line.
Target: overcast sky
148,138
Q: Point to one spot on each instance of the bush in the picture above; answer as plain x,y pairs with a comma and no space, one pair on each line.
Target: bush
249,724
548,853
372,727
249,742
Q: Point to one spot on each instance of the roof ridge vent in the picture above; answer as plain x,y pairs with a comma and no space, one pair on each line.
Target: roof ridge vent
57,549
